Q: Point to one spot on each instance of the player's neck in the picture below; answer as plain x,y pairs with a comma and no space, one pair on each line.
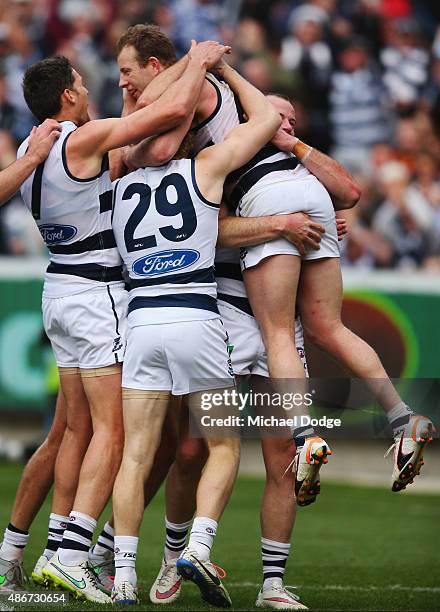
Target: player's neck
65,115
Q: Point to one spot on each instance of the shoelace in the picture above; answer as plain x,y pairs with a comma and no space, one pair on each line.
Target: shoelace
293,465
165,576
221,573
91,576
19,574
393,445
293,595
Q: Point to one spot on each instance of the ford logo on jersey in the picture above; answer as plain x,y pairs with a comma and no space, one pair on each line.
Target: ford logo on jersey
165,262
53,234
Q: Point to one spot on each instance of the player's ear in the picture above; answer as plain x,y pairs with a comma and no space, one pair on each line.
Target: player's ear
155,65
68,96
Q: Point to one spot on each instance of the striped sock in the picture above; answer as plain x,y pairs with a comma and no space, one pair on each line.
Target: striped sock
77,539
175,539
125,559
57,525
14,541
274,556
398,417
105,544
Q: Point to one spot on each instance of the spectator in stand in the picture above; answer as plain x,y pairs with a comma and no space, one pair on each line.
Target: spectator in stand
359,112
196,19
405,63
306,53
310,50
258,65
403,219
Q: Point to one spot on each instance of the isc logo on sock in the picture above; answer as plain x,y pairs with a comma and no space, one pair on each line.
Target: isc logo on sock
130,555
210,530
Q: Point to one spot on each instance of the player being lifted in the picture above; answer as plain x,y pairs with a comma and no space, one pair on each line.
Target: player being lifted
165,222
84,300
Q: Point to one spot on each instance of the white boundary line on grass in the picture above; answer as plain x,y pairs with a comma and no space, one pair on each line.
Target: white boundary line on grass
346,587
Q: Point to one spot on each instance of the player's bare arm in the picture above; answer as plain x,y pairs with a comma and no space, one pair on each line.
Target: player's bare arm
297,228
41,141
157,150
89,143
342,188
159,85
165,78
216,162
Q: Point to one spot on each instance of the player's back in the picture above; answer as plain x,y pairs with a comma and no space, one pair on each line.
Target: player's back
166,232
74,219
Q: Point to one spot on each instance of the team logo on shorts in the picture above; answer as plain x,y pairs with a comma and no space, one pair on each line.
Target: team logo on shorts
53,234
165,262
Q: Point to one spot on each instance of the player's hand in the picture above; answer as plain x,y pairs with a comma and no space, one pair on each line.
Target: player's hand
284,141
42,138
208,52
341,226
301,231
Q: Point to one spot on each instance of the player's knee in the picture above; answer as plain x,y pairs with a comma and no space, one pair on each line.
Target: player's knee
80,428
322,331
191,455
277,336
225,449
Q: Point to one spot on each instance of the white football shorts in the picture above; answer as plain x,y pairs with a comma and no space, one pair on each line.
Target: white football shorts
88,329
180,357
248,354
280,197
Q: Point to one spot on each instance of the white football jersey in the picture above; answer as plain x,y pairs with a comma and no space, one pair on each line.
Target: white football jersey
74,219
166,232
225,117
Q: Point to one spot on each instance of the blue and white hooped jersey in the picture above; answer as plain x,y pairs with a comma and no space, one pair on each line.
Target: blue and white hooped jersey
74,219
166,232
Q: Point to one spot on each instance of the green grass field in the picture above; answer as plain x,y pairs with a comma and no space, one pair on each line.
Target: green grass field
357,548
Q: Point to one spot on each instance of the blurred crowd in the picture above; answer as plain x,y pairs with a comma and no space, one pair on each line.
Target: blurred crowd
364,76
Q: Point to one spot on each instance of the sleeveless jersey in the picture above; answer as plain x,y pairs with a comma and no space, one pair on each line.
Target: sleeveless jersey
166,232
74,219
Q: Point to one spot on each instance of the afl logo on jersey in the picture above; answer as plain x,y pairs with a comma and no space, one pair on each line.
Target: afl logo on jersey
53,234
165,262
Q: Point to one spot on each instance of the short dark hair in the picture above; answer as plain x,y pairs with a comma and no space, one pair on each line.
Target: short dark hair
43,84
149,41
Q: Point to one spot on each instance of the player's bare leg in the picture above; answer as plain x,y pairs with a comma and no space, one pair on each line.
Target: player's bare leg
35,483
76,439
272,287
180,501
68,568
103,457
144,415
278,512
213,492
320,302
101,556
